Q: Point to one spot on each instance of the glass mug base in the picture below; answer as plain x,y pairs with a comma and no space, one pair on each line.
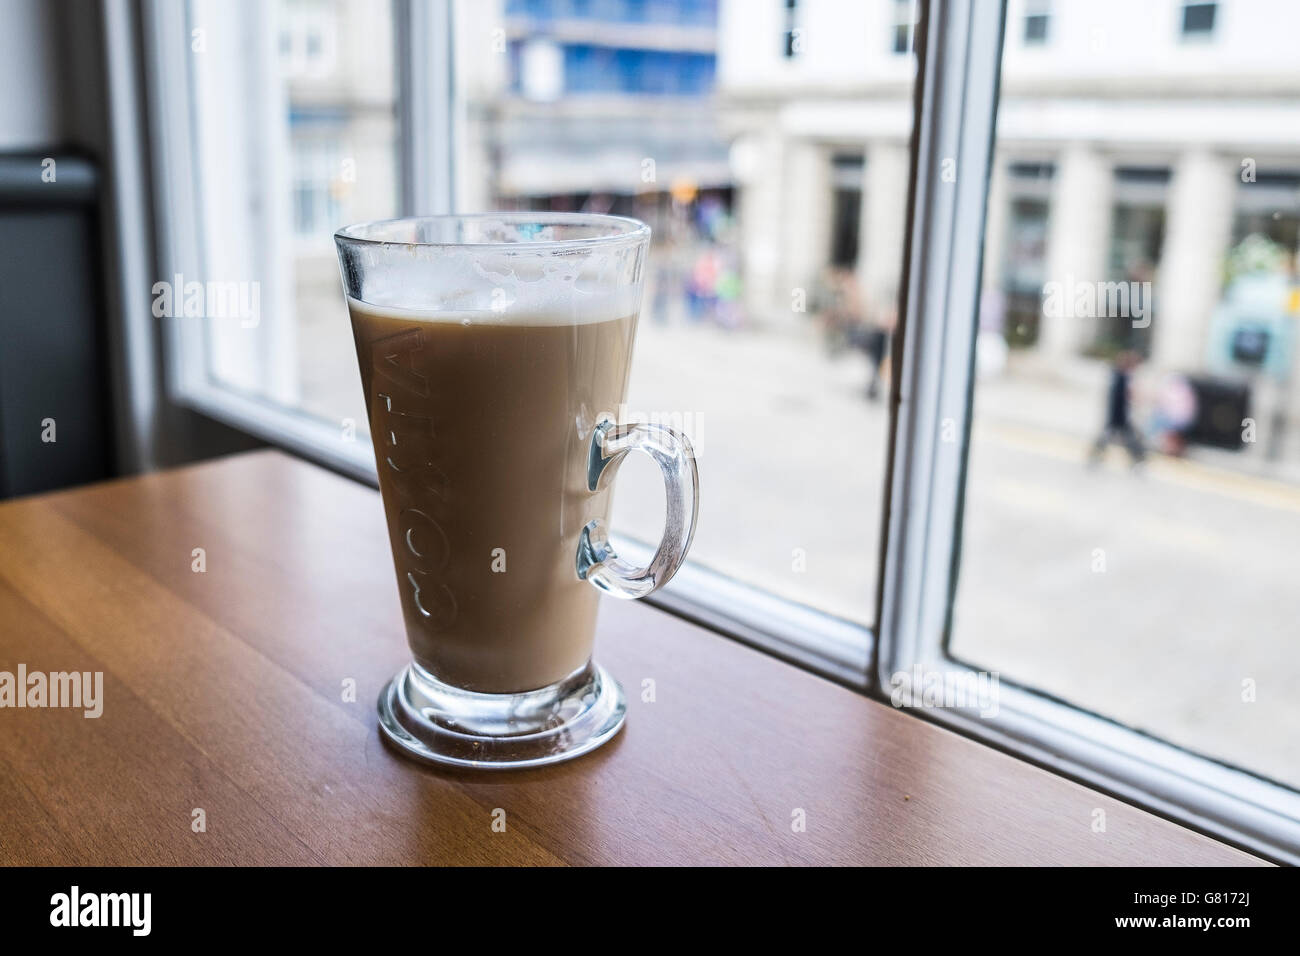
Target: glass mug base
435,722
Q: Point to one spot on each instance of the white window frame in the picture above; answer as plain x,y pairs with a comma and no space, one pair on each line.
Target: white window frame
959,56
960,62
423,57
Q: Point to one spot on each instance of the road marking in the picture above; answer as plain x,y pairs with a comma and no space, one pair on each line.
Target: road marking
1264,492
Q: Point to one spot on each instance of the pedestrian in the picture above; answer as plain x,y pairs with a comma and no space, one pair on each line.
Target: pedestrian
1175,411
876,342
1119,422
876,345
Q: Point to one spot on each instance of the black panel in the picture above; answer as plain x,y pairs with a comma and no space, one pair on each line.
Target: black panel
52,317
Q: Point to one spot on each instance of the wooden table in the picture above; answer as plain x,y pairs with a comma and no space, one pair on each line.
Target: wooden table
223,692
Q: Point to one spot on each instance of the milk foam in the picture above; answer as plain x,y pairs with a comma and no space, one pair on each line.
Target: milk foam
501,286
580,314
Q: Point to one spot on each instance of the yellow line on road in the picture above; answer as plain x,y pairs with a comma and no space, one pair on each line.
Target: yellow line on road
1178,471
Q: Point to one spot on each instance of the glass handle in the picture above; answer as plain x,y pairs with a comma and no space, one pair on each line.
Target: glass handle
597,561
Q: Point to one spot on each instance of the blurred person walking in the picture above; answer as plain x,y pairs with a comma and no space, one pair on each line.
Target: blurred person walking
875,342
1175,411
1119,422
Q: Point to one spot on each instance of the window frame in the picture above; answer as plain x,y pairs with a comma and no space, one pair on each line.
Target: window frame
179,250
955,100
957,94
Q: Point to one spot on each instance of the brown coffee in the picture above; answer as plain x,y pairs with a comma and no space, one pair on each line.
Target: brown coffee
481,428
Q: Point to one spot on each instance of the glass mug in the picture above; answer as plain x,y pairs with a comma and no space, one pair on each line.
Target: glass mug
494,353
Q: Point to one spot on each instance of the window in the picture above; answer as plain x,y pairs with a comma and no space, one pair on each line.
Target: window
308,39
285,142
318,185
1037,20
1161,308
1023,253
904,25
770,286
792,35
1198,19
773,283
1104,530
847,183
1094,240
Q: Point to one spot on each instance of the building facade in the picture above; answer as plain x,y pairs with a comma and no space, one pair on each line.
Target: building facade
1135,143
597,106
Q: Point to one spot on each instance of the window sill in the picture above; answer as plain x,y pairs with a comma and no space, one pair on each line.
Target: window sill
234,675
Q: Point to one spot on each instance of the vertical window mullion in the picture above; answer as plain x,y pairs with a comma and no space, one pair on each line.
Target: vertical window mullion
959,70
425,48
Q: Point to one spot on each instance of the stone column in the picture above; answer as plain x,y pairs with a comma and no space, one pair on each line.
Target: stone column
805,227
1198,230
1078,239
759,218
884,225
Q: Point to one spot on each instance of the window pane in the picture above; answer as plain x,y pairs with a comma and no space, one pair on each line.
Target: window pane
1198,18
1036,28
296,136
767,145
1132,502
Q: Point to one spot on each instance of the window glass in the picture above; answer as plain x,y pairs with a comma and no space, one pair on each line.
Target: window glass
767,145
296,136
1132,508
